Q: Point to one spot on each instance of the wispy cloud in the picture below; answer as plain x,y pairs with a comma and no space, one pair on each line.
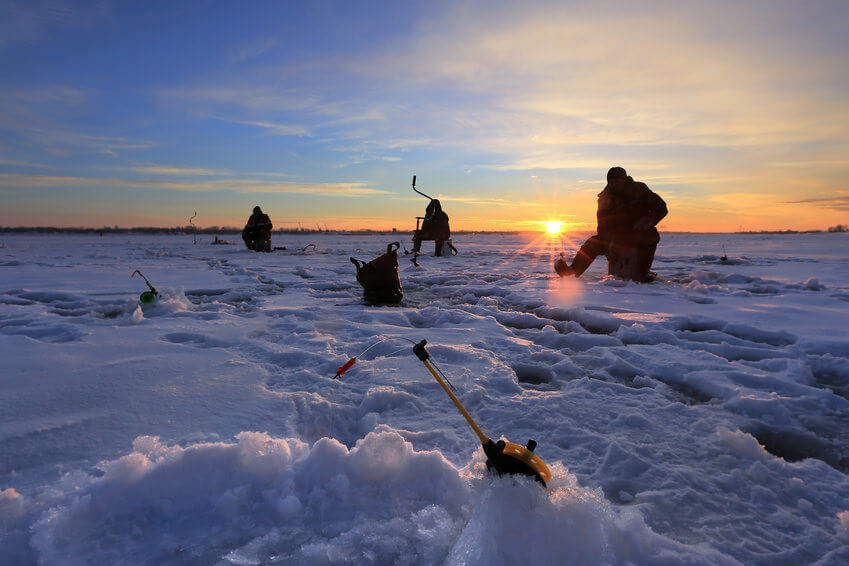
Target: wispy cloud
253,96
31,21
39,114
252,49
490,201
835,202
187,171
811,163
68,141
50,94
528,84
173,170
273,128
352,189
19,163
42,115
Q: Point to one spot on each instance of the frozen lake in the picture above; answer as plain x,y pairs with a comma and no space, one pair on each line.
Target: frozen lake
702,418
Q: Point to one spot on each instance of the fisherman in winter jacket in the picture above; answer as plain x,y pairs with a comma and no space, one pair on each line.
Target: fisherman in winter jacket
628,212
434,227
257,232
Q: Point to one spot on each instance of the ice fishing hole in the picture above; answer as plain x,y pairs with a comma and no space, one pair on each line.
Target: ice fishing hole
795,446
532,374
690,395
833,380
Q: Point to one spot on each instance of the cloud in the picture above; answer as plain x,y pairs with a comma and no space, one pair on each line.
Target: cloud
37,113
183,171
575,76
835,202
68,141
527,85
352,189
252,49
19,163
521,88
49,94
173,170
251,95
812,163
29,22
272,127
489,201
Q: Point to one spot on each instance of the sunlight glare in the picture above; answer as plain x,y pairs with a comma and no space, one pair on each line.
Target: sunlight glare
553,227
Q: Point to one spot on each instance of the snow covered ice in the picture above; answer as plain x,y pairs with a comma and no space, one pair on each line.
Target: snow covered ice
700,419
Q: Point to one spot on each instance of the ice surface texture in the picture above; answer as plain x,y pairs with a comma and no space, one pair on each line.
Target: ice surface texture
701,419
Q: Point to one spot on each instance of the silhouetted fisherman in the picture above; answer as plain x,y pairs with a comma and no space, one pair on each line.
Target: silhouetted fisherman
627,214
434,227
257,232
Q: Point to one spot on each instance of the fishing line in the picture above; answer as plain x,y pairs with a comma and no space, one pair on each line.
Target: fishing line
342,369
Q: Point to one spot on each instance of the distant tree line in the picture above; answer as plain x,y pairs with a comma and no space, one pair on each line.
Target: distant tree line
838,228
119,230
208,230
155,230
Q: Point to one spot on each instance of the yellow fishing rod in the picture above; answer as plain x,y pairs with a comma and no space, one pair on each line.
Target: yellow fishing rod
502,457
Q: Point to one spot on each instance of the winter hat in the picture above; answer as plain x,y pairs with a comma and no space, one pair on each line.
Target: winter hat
616,173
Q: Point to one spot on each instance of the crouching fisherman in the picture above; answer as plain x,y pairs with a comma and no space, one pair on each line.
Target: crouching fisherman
434,227
627,214
257,232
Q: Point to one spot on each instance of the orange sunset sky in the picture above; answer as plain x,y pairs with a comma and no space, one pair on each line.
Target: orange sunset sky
736,113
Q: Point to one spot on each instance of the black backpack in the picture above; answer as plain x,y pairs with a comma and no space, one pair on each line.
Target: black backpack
379,277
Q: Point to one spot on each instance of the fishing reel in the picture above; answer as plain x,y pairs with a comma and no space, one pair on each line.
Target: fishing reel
146,297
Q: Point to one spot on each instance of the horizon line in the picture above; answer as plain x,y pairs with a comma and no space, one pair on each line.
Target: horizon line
188,229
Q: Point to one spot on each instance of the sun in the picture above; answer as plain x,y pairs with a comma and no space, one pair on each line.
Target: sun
553,227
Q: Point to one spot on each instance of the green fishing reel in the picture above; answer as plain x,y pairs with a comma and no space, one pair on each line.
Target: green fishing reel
147,297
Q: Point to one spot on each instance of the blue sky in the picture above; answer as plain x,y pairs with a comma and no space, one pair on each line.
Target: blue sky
140,113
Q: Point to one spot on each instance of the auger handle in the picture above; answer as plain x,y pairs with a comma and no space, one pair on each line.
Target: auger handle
421,353
418,191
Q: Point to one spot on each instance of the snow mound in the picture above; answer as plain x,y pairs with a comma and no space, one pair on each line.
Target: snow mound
262,499
261,496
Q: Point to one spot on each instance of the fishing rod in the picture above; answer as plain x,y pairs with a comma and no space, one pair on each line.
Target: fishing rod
502,456
194,229
146,297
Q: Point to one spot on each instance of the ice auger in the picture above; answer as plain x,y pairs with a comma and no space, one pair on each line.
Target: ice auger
502,456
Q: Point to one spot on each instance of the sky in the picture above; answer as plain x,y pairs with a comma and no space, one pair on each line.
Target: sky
143,113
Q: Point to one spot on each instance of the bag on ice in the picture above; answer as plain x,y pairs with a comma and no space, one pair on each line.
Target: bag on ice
379,277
